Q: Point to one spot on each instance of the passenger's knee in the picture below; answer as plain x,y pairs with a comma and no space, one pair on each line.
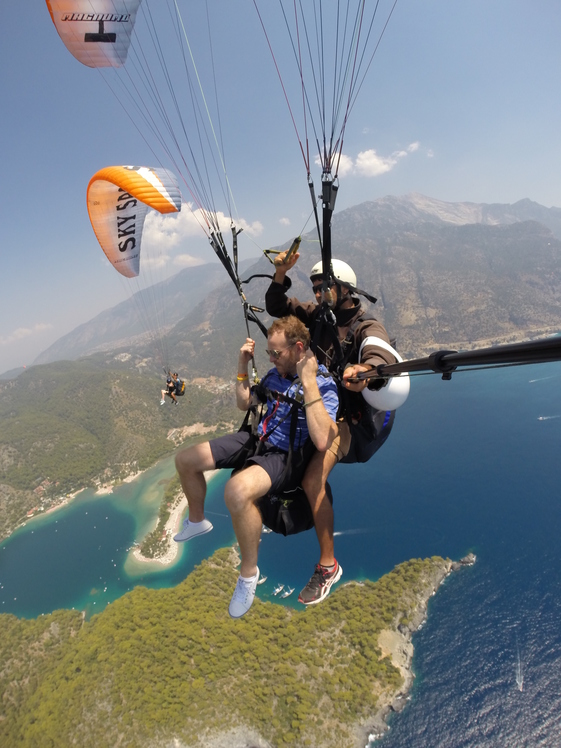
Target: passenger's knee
179,460
234,497
186,460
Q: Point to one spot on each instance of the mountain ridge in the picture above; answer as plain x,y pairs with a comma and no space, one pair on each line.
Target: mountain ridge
124,324
385,240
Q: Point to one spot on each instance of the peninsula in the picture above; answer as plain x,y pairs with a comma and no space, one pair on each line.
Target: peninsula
170,667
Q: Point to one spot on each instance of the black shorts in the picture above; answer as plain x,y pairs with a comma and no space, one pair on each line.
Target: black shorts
232,451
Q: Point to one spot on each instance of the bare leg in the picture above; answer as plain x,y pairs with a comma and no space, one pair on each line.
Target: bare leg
240,494
191,464
313,483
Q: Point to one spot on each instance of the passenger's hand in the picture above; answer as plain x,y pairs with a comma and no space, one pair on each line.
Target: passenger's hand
246,353
307,367
351,373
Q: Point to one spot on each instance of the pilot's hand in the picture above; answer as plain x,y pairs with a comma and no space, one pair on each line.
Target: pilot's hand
281,262
351,373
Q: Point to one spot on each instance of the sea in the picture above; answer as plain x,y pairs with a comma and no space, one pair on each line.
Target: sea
472,465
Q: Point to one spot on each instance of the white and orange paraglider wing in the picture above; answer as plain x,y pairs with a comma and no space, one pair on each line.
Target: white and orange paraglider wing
97,32
118,199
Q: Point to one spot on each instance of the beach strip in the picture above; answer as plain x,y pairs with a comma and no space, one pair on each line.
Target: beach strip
171,528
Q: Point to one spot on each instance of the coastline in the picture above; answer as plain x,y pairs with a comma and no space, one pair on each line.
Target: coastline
103,489
171,527
394,641
397,644
107,488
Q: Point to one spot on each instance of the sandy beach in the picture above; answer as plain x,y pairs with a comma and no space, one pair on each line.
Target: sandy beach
107,488
132,476
171,528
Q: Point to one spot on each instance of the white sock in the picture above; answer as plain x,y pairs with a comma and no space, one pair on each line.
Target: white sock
249,579
196,523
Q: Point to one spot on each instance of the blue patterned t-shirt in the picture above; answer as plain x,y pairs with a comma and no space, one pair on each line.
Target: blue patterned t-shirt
279,413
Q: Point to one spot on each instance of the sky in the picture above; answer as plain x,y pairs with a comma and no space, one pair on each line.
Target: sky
461,103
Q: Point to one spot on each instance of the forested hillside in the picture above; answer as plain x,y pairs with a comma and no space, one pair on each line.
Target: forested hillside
163,665
65,425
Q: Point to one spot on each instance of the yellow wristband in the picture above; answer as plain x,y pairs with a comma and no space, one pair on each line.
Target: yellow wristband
242,377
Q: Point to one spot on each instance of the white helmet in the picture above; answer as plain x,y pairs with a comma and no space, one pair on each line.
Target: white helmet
342,273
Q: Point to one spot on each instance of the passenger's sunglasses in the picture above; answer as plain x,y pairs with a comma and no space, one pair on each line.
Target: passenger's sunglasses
273,353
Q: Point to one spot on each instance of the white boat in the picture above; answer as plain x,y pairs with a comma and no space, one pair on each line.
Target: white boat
261,580
519,673
265,530
288,592
278,588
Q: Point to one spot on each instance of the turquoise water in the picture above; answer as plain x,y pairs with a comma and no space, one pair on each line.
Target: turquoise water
79,556
472,465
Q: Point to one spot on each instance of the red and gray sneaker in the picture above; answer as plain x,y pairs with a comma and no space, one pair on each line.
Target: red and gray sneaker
319,585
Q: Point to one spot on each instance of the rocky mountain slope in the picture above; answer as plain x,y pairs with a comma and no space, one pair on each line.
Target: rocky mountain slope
443,279
124,325
447,275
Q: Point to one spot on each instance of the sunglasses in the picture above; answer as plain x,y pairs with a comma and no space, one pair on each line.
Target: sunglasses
318,287
274,354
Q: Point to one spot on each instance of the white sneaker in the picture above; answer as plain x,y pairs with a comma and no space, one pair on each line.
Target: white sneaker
243,596
192,529
162,402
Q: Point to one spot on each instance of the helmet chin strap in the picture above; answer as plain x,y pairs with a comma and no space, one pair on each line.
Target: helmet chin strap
339,297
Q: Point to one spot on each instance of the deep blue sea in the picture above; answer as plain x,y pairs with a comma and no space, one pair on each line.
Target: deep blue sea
472,465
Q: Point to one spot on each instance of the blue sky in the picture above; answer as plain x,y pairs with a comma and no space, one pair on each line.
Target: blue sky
462,103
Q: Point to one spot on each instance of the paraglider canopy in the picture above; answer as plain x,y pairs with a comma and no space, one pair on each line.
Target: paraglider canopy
97,39
118,199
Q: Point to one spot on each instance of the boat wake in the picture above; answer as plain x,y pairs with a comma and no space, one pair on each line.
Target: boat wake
518,671
519,676
547,418
357,531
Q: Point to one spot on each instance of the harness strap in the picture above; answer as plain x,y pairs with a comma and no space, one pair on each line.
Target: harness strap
268,418
325,319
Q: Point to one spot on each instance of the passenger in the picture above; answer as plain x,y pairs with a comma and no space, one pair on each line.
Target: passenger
304,404
361,430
